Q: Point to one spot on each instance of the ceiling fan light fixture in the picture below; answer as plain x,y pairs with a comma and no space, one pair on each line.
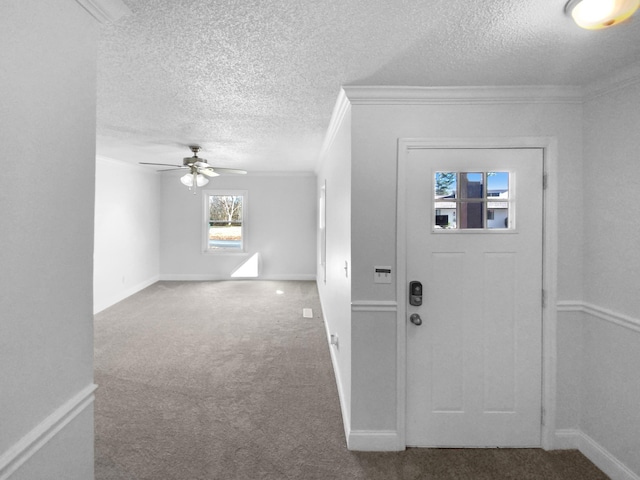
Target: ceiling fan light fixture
599,14
187,180
201,180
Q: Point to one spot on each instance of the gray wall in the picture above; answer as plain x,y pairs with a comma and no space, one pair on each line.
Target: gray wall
47,147
334,282
598,261
281,227
148,226
127,231
610,382
376,130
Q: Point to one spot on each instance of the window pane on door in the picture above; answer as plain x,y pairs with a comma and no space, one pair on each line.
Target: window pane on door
471,215
471,185
446,185
445,214
499,217
498,184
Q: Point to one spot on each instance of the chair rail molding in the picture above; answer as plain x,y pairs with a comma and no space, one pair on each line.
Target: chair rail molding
374,306
601,313
27,446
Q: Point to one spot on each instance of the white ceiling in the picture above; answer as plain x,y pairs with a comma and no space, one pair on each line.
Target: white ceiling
254,82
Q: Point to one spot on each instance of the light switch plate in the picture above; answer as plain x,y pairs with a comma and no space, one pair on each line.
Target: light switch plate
381,274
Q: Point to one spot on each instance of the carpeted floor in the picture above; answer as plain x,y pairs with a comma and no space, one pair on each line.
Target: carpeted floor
227,380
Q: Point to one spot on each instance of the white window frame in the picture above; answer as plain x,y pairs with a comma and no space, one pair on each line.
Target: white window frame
205,222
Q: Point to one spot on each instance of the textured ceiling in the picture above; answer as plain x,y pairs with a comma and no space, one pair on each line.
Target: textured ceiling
254,82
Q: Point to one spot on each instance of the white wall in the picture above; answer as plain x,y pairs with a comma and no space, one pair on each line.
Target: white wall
376,130
334,289
127,231
610,388
281,227
598,262
361,147
47,147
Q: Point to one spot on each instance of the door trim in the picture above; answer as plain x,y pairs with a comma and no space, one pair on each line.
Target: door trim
549,267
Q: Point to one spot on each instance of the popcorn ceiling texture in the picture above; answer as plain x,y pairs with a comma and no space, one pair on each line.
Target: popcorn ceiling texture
254,82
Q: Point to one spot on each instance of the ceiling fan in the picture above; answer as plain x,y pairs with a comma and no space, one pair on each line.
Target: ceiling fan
199,169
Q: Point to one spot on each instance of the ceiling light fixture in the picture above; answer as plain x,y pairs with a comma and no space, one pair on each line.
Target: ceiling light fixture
199,170
598,14
187,180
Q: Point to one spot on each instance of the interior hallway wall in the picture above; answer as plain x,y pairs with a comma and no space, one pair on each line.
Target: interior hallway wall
610,316
47,119
374,122
127,231
334,278
377,126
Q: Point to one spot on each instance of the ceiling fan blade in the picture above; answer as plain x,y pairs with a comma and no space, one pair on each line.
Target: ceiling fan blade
229,170
171,169
160,164
208,171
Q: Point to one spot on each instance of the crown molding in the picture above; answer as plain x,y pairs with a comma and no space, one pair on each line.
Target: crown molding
342,106
123,163
105,11
477,95
621,79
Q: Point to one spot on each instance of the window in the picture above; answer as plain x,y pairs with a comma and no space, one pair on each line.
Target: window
225,216
472,200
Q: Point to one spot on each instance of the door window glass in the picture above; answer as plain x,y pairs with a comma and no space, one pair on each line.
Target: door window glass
472,200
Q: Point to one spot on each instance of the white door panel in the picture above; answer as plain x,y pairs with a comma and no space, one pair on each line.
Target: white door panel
474,365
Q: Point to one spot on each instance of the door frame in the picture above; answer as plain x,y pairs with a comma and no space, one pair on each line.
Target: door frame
549,146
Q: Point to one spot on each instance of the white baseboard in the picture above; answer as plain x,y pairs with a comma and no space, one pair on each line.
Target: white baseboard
27,446
102,305
205,277
596,453
374,441
567,439
344,408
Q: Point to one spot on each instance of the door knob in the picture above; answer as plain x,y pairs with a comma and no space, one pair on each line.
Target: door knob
415,319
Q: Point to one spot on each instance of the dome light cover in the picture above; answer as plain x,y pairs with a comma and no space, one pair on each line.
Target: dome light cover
187,180
598,14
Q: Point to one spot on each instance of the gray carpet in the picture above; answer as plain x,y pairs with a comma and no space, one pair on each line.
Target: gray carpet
227,380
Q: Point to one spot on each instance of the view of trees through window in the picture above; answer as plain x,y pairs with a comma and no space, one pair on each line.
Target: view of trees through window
225,221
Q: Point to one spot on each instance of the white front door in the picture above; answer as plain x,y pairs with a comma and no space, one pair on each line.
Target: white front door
474,241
